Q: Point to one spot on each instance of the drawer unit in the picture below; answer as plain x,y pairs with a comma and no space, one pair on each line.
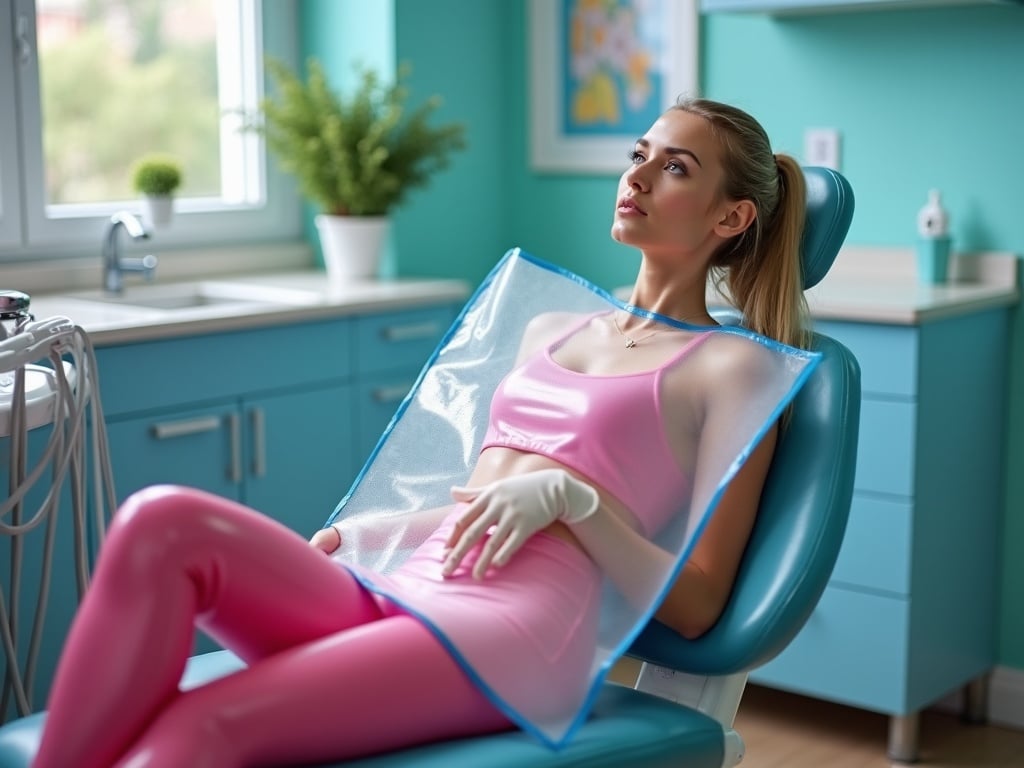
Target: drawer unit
391,350
875,555
400,340
886,446
150,375
852,650
887,355
898,627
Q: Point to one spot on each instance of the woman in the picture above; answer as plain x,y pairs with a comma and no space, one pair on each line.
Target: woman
336,670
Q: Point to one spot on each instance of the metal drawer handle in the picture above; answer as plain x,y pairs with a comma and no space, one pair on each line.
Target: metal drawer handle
259,442
390,394
411,332
235,467
168,429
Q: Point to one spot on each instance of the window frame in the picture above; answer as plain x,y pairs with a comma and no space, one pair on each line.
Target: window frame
10,195
28,232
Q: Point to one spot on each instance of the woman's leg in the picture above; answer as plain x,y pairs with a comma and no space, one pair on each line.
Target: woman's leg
379,687
174,558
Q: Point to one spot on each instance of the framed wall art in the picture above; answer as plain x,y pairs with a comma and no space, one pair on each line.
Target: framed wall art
600,72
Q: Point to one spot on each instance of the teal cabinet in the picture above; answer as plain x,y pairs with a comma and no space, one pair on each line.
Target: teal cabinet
390,351
910,612
279,418
288,455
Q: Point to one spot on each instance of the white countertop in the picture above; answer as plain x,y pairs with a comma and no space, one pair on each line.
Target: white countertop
880,285
115,323
876,285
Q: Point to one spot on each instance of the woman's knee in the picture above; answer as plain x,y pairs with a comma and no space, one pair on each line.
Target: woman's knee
157,520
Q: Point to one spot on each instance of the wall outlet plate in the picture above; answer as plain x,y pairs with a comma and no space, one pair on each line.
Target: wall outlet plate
821,147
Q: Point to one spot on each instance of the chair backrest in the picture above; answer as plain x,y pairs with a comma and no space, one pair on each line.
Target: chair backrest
806,499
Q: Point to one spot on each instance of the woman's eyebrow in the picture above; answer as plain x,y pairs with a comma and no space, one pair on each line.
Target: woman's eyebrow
672,151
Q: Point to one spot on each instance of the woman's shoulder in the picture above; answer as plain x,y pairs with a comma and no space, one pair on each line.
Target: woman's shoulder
744,358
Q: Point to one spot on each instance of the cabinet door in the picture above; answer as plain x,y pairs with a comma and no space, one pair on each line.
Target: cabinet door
299,450
199,447
377,401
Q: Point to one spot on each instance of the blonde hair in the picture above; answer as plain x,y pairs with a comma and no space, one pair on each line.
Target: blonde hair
760,271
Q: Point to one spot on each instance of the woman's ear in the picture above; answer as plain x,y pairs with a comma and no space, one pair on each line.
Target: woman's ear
739,214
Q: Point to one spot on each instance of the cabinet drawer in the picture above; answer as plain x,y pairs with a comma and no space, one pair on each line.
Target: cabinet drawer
195,369
853,650
876,548
885,449
192,447
888,354
400,340
376,402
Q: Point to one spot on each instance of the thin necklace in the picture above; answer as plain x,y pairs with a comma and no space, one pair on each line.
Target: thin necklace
632,342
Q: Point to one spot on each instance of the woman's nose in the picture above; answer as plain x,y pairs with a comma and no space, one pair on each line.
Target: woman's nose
636,177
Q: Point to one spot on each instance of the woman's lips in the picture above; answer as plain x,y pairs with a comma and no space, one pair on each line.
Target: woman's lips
628,205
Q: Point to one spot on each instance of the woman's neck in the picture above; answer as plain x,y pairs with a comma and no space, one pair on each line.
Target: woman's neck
677,293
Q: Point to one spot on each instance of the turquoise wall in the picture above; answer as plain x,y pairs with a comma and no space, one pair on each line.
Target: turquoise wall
924,99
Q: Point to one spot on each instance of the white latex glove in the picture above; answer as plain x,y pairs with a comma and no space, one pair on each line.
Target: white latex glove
517,507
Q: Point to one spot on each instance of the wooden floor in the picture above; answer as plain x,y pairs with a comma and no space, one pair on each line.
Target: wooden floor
782,730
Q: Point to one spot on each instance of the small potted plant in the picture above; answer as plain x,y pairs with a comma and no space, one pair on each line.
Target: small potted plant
355,156
156,178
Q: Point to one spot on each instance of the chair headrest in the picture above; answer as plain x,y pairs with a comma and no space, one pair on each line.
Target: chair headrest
829,213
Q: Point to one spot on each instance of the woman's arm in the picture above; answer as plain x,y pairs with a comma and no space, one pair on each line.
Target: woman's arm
702,589
637,566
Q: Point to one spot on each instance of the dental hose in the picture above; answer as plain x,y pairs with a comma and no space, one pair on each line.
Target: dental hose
70,371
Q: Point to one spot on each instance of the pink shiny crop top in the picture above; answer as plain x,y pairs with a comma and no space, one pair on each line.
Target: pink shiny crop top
609,428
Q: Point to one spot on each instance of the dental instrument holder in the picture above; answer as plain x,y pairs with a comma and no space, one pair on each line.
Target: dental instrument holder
933,242
14,312
47,380
114,265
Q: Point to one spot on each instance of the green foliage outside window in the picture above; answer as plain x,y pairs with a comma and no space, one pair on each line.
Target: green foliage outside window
104,106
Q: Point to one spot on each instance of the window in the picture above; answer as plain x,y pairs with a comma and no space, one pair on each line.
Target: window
97,84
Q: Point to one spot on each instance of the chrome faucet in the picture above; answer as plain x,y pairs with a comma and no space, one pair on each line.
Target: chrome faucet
114,265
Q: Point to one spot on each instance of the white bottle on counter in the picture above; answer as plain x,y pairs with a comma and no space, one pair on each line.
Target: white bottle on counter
933,242
932,219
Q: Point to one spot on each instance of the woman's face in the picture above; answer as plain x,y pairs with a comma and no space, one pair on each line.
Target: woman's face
669,197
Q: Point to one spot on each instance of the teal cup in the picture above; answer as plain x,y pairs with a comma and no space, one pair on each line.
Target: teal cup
933,259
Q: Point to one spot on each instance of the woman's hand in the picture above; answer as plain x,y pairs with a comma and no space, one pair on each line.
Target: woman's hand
326,539
517,507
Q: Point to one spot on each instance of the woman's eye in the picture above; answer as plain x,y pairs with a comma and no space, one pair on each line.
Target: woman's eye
635,157
673,167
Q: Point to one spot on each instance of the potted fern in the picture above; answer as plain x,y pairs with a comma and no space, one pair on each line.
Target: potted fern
356,157
156,177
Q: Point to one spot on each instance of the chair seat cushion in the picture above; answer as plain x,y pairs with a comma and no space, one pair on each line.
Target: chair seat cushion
627,728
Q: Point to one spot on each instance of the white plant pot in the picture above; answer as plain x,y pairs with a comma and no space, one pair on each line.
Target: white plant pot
352,247
157,211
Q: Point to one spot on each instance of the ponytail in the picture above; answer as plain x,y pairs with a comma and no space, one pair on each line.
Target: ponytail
766,284
759,271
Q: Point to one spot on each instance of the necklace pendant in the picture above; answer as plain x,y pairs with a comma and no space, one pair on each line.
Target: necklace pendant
630,343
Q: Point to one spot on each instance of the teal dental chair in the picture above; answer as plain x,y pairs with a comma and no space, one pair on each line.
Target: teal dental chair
688,691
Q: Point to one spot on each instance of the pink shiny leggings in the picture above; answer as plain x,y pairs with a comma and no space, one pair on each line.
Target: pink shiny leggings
330,675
